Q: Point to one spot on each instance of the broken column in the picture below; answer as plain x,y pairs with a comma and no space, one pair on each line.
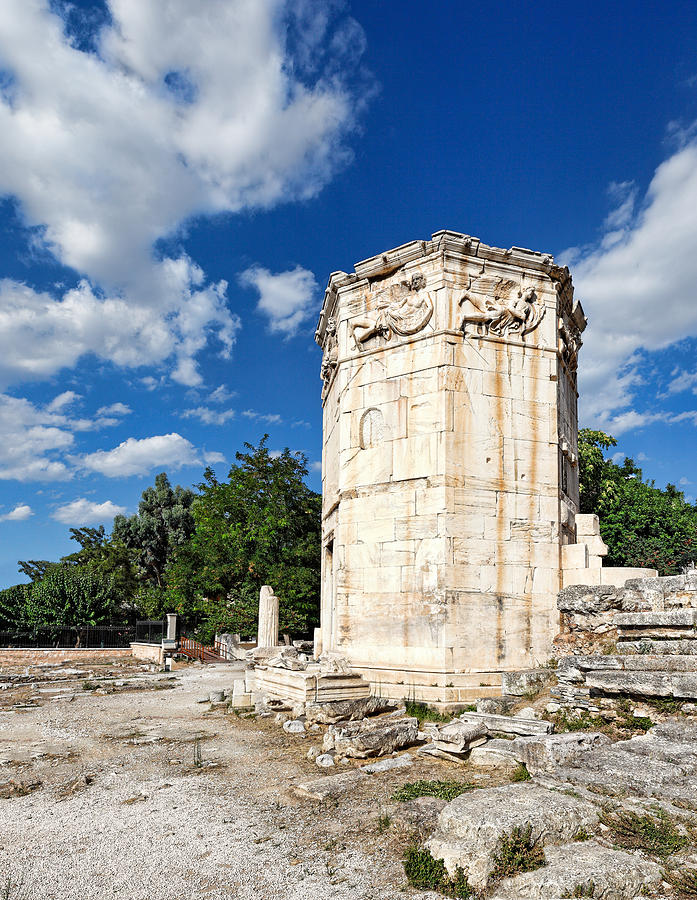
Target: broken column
267,635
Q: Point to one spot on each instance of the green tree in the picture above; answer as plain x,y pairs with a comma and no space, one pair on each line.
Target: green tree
13,605
108,558
70,595
641,524
164,522
262,526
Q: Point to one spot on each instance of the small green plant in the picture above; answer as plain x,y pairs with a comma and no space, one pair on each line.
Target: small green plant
427,873
446,790
471,707
384,822
683,880
656,834
582,834
583,890
425,713
517,852
667,705
520,773
552,663
198,755
89,685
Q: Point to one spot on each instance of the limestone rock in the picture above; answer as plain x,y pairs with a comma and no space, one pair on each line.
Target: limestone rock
294,726
611,874
346,710
421,815
470,826
325,760
523,682
330,786
497,706
508,724
459,736
496,754
526,713
386,765
367,739
545,754
313,753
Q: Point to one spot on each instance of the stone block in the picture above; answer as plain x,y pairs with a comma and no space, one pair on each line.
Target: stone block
470,827
508,724
545,754
574,556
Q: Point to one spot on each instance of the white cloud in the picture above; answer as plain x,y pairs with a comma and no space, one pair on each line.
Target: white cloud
67,398
638,292
268,418
114,409
139,457
185,110
221,394
285,299
682,381
209,416
18,514
86,512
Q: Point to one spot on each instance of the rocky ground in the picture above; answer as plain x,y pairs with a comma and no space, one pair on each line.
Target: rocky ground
116,780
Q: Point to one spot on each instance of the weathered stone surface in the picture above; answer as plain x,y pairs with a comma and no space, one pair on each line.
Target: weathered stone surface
369,739
508,724
496,754
268,617
644,684
325,760
603,873
545,754
329,787
421,815
386,765
526,681
497,706
294,726
459,736
470,826
346,710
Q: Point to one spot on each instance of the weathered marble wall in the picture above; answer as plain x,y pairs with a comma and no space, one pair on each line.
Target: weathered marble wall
450,478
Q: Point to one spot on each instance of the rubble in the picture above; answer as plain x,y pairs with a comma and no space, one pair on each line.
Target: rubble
363,739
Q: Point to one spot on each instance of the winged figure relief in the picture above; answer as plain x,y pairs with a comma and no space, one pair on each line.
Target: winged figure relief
500,306
403,308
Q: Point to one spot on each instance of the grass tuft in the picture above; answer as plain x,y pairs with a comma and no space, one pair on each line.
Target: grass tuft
426,873
656,834
683,880
520,773
425,713
517,852
446,790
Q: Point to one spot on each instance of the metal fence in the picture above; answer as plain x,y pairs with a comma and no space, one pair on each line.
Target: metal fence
151,631
67,636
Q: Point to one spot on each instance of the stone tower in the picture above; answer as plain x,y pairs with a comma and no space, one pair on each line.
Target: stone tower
449,469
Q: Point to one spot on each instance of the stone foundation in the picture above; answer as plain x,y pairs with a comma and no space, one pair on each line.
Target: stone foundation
35,657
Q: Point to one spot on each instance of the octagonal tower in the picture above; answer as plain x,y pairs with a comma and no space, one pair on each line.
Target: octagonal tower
449,469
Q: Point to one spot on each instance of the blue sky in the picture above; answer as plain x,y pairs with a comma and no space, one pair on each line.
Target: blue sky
179,178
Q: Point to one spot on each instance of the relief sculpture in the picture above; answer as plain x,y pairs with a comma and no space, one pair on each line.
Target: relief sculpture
500,306
403,308
330,357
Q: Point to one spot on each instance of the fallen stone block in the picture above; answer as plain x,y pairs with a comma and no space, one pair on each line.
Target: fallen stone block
580,866
386,765
367,739
496,754
497,706
645,684
346,710
508,724
459,736
470,827
330,787
294,726
545,754
325,760
420,815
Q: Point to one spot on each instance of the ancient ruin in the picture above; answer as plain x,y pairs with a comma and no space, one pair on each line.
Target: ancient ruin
449,468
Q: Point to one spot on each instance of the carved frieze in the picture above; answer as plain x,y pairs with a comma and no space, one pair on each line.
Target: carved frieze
404,308
330,356
500,306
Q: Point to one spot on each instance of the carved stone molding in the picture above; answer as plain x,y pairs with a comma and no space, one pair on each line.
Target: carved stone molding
500,306
330,356
404,308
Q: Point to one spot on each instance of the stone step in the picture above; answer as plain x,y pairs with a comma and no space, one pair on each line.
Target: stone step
628,663
678,647
663,618
678,685
508,724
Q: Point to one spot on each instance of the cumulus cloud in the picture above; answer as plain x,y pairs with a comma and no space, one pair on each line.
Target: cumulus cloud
637,289
220,395
139,457
209,416
285,298
268,418
18,514
115,409
172,110
86,512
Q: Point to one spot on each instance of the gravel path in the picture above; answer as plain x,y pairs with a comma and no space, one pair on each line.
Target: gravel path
122,808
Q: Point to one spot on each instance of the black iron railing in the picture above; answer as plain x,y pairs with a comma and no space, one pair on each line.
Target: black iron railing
151,631
67,636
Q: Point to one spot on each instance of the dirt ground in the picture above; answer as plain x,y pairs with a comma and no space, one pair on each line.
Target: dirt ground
114,780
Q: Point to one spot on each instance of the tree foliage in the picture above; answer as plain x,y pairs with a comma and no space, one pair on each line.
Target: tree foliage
262,526
641,524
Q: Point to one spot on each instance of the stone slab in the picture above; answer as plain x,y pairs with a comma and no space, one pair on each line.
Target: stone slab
679,685
602,872
469,827
508,724
545,754
330,786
